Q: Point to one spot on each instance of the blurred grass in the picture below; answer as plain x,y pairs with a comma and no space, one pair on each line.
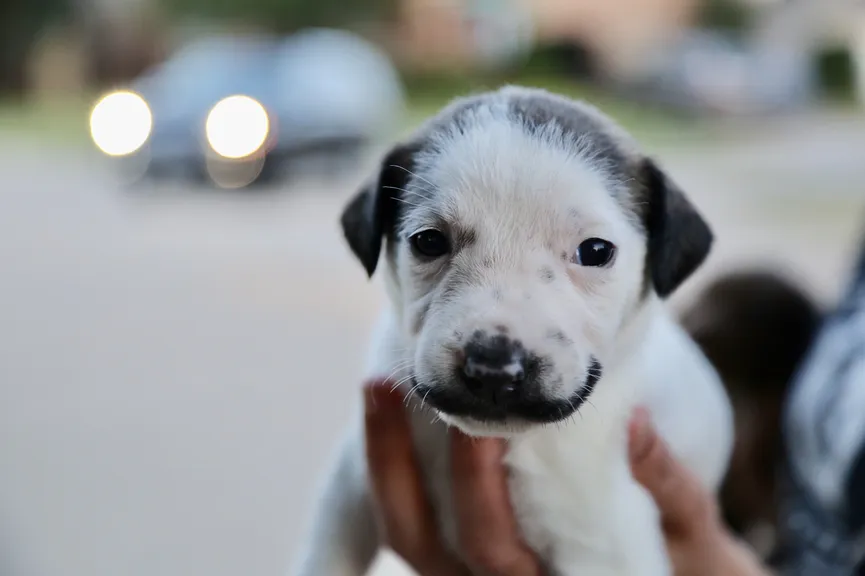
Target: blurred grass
58,121
64,121
651,125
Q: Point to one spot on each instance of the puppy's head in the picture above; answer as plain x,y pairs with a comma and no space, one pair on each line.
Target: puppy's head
522,232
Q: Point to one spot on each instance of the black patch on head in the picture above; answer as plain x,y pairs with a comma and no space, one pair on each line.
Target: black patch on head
372,214
679,239
537,110
547,274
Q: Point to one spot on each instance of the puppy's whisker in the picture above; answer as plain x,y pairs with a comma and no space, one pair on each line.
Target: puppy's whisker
394,372
411,393
404,201
573,408
406,191
402,361
418,176
400,383
399,366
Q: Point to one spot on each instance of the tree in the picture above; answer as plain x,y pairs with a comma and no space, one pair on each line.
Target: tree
21,22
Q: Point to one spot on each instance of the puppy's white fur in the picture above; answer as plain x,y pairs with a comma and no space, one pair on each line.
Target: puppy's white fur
528,198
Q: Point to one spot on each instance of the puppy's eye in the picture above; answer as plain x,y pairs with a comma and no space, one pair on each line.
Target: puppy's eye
430,243
595,252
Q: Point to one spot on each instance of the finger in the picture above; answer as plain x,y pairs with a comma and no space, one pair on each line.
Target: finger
488,532
684,505
405,514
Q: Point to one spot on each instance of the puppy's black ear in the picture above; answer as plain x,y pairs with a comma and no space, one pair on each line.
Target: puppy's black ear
371,214
679,239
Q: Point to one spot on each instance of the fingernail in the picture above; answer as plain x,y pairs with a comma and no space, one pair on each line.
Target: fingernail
639,433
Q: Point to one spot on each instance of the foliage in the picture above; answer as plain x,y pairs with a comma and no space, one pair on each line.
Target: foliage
287,15
21,21
730,16
572,59
836,74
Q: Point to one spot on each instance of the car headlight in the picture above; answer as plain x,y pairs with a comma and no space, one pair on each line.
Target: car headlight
120,123
237,127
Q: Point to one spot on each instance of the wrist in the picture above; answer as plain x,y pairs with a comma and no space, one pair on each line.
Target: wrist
739,558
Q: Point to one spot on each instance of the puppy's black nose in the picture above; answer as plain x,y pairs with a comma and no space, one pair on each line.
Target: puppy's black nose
494,368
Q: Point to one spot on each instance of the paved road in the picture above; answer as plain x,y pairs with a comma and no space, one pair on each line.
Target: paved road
176,366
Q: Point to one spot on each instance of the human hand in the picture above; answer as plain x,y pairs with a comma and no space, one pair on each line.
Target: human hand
490,544
697,541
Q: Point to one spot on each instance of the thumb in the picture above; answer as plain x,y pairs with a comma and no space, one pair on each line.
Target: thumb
685,506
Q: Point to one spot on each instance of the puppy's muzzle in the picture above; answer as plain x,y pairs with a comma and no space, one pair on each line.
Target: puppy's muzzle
495,369
495,378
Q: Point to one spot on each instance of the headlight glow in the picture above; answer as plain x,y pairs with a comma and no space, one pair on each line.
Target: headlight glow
237,127
120,123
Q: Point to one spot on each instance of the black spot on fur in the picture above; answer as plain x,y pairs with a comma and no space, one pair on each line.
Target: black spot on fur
564,256
559,336
547,274
501,329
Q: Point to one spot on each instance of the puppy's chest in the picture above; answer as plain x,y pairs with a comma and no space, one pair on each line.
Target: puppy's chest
562,494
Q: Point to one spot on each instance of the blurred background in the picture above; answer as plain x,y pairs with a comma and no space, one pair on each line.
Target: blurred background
181,327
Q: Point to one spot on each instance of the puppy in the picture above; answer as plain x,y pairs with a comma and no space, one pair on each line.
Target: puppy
528,245
755,327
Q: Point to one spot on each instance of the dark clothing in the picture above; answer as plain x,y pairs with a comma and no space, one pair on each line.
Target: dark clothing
822,528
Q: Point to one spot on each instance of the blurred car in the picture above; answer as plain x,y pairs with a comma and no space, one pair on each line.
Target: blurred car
240,109
705,72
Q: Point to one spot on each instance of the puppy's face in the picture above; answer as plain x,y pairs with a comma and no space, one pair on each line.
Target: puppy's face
519,242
